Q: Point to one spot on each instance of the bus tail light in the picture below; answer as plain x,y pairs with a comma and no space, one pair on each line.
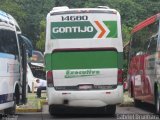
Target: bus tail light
50,79
120,77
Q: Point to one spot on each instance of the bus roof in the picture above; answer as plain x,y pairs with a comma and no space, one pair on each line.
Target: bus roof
83,28
16,24
66,10
146,22
7,18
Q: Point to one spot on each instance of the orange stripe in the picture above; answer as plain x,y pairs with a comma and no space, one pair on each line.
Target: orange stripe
101,28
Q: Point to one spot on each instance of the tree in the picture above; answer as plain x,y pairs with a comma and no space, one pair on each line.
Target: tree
36,11
30,13
126,33
70,3
40,43
15,10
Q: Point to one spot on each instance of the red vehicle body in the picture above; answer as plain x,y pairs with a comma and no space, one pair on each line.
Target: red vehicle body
144,62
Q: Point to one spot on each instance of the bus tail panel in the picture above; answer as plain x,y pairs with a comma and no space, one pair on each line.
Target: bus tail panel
92,78
74,68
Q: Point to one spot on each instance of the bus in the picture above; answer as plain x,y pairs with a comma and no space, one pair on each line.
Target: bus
144,62
84,58
35,69
12,64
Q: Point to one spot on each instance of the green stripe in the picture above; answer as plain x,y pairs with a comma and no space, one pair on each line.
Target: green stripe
112,26
82,60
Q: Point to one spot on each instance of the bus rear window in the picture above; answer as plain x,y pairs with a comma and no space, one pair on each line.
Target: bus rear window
84,59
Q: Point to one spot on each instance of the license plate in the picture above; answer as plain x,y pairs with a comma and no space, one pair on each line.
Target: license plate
85,87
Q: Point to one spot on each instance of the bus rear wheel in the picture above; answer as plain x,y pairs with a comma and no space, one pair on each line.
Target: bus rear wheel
53,110
157,103
137,102
110,110
29,89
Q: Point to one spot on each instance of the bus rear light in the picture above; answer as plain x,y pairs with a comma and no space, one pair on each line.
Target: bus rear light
50,79
120,77
158,54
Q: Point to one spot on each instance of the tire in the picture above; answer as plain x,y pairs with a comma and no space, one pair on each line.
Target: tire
157,103
110,110
17,96
52,110
137,103
56,110
29,89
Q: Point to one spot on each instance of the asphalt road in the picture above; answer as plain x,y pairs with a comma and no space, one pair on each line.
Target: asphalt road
145,112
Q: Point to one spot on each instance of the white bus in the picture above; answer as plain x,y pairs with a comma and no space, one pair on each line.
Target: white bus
83,58
12,64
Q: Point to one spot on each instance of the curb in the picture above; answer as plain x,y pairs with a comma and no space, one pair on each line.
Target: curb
129,104
38,109
28,110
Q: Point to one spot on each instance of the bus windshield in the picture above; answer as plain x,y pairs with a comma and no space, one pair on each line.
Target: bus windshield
84,59
37,57
36,64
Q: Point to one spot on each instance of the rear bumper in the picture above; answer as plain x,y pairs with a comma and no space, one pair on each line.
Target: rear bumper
97,98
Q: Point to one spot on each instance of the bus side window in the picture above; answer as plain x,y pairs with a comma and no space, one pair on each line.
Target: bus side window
152,45
8,42
1,40
13,45
2,48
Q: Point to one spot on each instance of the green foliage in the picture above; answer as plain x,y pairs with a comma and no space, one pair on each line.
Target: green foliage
31,14
36,11
126,33
130,11
14,9
40,43
70,3
28,14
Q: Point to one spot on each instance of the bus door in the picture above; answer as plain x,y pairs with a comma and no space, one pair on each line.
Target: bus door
138,74
150,66
24,67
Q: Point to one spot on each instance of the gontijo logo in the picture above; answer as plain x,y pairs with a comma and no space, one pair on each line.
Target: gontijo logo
84,29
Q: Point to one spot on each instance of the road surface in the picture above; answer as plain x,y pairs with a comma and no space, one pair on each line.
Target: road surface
145,112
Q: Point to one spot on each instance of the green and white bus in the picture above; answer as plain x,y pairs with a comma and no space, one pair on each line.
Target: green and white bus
83,58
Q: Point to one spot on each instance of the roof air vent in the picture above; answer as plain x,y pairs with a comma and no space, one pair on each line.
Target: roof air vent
105,7
60,8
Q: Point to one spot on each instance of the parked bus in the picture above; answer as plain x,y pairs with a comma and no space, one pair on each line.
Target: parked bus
83,58
35,69
12,64
144,62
